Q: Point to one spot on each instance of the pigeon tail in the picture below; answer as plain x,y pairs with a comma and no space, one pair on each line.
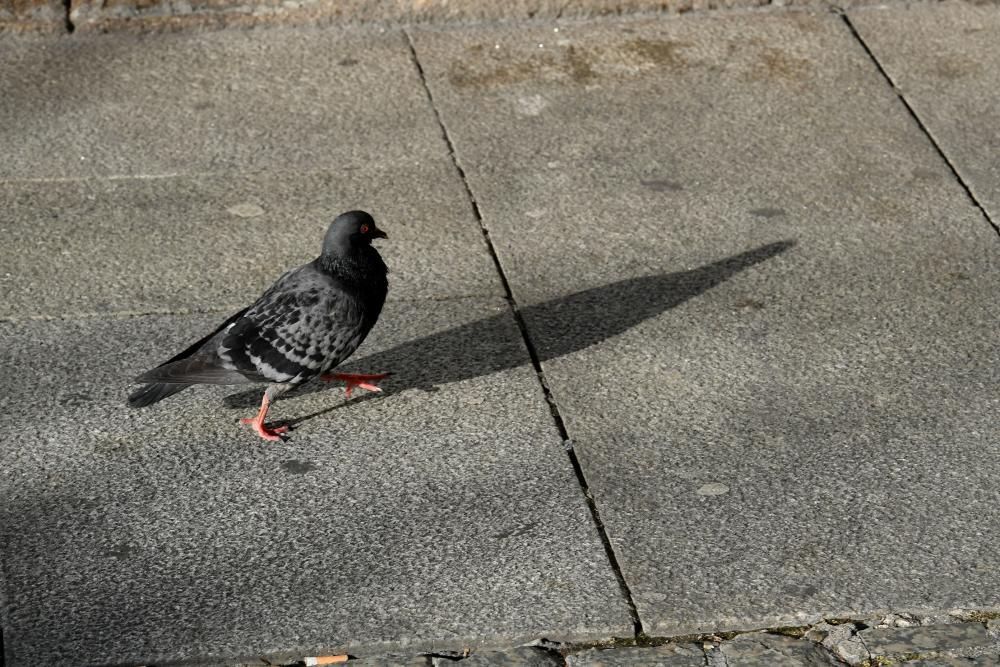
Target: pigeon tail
198,370
152,393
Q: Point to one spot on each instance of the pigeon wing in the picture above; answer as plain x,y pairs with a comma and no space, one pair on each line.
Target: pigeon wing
293,331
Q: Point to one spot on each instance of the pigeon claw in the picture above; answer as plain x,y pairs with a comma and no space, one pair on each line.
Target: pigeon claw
263,431
258,421
355,380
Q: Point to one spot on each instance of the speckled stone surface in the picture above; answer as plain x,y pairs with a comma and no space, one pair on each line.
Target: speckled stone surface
97,247
945,59
523,656
204,102
978,661
761,649
841,640
394,661
765,308
442,514
943,637
671,655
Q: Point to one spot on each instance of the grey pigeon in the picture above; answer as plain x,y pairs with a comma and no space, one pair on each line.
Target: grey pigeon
312,319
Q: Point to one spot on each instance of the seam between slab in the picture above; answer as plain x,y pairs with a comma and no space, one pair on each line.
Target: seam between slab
515,310
913,114
268,172
8,180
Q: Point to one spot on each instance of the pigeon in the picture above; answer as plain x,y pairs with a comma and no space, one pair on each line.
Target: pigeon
312,319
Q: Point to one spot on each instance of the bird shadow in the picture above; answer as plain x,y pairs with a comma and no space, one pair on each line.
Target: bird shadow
555,328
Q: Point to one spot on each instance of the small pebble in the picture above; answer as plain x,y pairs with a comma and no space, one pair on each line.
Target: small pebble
712,489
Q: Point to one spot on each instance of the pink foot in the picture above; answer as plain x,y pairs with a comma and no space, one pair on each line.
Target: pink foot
264,431
355,380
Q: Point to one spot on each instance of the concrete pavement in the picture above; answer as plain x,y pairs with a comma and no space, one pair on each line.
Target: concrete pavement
693,324
784,385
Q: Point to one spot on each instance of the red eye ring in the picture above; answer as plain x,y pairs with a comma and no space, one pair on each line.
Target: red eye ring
364,229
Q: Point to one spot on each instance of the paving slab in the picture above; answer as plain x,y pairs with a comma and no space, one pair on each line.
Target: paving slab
441,515
274,99
522,656
945,637
395,661
978,661
760,649
841,640
98,246
945,59
670,655
765,308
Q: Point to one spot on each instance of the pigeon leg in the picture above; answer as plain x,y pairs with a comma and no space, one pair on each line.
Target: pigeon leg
355,380
258,421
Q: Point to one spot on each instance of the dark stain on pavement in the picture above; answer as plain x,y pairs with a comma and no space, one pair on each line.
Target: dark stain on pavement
800,591
298,467
75,400
767,212
486,68
517,531
775,64
662,185
955,66
580,69
122,552
496,72
663,52
750,304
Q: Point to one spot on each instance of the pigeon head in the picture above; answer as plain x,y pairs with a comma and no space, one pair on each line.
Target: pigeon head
350,231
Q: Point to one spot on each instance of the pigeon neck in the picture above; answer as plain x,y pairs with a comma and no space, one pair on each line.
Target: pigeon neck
341,261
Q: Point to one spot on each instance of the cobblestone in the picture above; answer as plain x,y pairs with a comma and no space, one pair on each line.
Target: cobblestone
956,639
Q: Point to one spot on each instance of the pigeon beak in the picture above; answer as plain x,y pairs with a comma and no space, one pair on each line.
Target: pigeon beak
379,234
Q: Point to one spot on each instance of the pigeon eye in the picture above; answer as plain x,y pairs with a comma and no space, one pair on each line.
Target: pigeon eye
364,229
